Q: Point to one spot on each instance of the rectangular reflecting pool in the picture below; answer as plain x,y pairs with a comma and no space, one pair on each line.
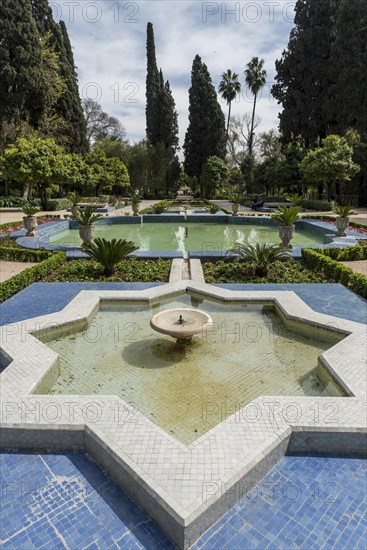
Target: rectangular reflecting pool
186,390
183,237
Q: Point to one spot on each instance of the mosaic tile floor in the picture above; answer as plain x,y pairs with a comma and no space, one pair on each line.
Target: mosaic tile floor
64,500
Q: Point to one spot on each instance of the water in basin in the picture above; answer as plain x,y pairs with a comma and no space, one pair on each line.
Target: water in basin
247,352
199,236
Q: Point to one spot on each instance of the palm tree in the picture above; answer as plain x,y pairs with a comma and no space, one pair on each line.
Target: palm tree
255,80
229,88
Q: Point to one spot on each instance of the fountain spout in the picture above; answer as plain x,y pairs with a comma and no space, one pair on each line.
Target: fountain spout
180,320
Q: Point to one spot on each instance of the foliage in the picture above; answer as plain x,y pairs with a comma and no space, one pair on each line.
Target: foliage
343,211
287,215
321,205
295,199
106,174
99,124
330,166
135,199
15,254
13,202
109,253
24,92
25,278
260,255
29,210
73,198
205,136
129,270
34,162
86,216
237,199
291,271
255,76
57,204
158,208
316,260
349,254
214,174
213,208
229,87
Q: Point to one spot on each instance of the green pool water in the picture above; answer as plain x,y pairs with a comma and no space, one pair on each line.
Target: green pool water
193,236
246,353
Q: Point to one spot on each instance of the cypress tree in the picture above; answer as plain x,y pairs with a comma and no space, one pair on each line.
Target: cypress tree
349,66
206,135
303,79
153,89
23,87
161,120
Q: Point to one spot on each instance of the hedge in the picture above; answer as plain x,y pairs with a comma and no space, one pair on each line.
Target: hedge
316,204
57,204
12,254
31,275
334,271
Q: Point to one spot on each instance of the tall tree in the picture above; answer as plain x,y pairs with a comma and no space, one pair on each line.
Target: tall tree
24,92
100,124
255,76
206,135
153,87
303,74
161,121
229,87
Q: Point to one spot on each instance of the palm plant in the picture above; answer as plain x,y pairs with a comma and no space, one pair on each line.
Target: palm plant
29,210
260,255
86,216
229,87
73,198
295,199
287,216
213,208
255,76
109,253
343,211
158,208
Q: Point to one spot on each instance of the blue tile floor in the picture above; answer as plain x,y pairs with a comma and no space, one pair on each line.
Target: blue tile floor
64,500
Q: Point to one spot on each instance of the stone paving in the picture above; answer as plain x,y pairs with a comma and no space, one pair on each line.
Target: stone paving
9,269
64,500
237,453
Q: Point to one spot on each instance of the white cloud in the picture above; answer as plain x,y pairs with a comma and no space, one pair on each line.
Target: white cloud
109,40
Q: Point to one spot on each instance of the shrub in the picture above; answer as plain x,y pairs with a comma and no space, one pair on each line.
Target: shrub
31,275
15,202
109,253
260,255
13,254
57,204
319,260
316,204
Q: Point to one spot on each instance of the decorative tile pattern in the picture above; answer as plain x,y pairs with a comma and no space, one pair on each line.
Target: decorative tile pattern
64,500
169,477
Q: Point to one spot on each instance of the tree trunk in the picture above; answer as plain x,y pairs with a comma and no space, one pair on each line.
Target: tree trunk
25,191
229,116
250,145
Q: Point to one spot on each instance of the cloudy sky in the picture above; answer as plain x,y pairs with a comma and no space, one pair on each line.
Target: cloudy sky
109,42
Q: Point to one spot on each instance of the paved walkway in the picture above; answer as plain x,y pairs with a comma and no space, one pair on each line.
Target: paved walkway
358,266
9,269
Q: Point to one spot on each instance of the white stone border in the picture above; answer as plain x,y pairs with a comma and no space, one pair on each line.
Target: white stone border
184,488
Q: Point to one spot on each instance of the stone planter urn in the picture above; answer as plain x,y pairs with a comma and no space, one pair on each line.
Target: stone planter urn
86,233
135,208
235,209
30,223
341,225
286,233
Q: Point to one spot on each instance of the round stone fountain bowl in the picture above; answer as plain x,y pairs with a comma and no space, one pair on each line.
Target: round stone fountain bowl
193,322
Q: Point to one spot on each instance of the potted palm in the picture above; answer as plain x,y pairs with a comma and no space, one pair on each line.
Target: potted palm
286,218
236,201
135,204
30,220
74,199
86,219
342,221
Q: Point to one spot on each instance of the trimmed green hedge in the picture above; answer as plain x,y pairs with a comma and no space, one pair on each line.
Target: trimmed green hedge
57,204
31,275
316,204
12,254
334,271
